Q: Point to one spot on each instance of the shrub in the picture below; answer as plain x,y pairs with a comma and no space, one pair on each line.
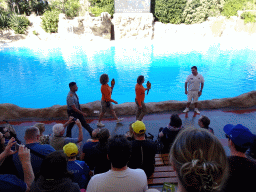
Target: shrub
4,20
18,23
232,6
169,11
248,17
69,7
97,7
50,21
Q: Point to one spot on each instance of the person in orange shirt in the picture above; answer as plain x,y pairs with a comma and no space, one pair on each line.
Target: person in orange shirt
140,96
106,100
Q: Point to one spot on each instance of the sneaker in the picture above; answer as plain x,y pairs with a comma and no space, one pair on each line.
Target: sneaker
119,120
186,110
197,111
99,124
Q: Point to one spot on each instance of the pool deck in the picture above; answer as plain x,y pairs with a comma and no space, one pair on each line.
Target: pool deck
219,118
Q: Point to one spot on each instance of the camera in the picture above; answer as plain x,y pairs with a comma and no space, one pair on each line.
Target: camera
17,146
74,119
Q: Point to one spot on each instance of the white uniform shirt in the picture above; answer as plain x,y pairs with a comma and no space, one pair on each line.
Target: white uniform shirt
194,82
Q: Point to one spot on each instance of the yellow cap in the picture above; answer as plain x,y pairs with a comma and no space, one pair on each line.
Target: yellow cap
70,149
139,127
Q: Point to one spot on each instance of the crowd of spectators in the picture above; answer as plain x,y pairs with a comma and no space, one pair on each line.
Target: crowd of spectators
124,162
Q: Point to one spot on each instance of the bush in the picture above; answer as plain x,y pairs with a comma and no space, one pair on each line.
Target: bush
50,21
18,23
232,6
4,20
170,11
69,7
98,7
248,17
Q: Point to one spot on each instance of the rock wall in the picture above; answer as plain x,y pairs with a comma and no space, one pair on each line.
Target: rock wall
13,112
133,26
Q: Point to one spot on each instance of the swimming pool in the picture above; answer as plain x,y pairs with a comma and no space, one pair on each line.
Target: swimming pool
39,77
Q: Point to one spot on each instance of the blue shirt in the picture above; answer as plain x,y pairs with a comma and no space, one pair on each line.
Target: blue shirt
80,172
11,183
88,151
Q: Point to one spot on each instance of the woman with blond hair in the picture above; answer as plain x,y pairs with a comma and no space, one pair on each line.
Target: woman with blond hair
43,139
199,160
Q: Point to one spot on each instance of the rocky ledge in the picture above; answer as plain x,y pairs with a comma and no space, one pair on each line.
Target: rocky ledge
14,112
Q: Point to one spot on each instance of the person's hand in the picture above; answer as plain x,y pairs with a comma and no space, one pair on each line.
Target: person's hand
84,114
199,93
24,154
115,102
70,119
78,122
186,92
8,151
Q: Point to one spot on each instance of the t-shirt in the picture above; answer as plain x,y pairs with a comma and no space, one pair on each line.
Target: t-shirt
59,142
140,93
88,150
106,93
241,175
80,172
9,183
194,82
35,160
134,180
143,156
72,99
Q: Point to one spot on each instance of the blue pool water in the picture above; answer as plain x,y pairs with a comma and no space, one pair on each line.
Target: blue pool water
39,77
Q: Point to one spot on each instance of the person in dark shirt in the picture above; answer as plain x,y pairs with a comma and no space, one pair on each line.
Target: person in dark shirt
204,123
143,151
241,169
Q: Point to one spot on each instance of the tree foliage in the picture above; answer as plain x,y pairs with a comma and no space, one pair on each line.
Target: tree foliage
50,21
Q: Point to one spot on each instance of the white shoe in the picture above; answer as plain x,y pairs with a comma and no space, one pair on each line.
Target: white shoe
197,111
186,110
99,124
119,120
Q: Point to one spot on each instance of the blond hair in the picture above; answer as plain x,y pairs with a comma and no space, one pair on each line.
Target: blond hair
199,160
41,127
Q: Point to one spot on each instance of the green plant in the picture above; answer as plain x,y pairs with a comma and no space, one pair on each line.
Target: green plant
72,8
99,6
18,23
35,33
50,21
169,11
232,6
4,20
248,17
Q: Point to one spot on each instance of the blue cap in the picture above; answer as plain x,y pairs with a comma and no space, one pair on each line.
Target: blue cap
239,135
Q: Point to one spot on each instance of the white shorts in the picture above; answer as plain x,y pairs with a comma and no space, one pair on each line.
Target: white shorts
192,95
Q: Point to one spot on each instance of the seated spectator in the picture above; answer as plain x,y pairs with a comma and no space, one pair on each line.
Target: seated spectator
251,153
9,132
199,161
10,182
143,151
168,134
241,169
44,139
79,169
58,140
120,177
7,166
129,134
204,122
99,155
54,176
88,149
38,151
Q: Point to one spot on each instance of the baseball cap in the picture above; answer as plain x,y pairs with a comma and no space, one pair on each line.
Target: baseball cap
239,135
70,149
139,127
57,129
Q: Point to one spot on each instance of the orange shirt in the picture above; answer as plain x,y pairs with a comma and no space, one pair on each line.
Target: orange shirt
106,93
140,93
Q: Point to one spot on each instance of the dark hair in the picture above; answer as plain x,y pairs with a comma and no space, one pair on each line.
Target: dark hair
240,149
205,120
104,79
175,121
103,135
119,151
54,166
72,84
194,67
140,79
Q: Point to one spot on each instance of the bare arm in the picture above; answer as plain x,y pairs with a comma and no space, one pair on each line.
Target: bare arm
202,86
80,133
77,110
69,121
24,156
186,88
7,151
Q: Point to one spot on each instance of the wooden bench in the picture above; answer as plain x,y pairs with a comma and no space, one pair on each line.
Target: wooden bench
163,171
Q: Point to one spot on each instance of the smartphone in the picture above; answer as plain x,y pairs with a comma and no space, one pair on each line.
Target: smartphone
17,146
74,119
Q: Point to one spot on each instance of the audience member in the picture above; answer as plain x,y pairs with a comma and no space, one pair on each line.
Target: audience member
168,134
58,140
9,132
54,176
143,151
106,99
99,158
88,149
241,169
129,134
199,160
38,151
120,177
44,139
251,153
9,182
79,168
204,122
